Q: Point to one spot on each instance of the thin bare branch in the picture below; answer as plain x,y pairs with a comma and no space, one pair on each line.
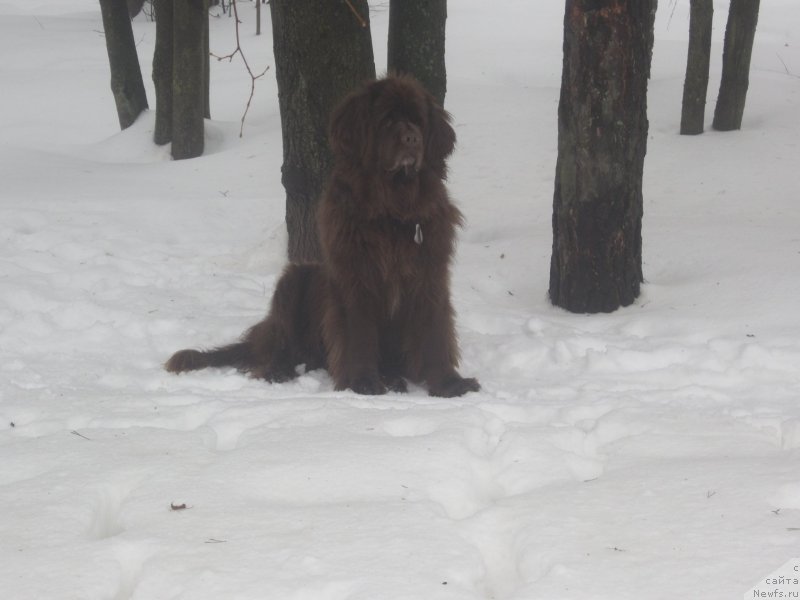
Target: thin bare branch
361,20
785,68
229,57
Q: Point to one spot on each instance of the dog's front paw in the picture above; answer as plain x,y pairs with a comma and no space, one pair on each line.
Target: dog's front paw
395,383
368,385
454,386
274,373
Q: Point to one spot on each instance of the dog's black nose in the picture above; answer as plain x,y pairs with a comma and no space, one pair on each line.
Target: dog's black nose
410,138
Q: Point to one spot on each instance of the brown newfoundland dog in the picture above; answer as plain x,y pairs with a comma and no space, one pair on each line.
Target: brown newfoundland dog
376,311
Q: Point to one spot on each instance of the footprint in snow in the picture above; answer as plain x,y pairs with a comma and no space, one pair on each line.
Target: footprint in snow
409,426
106,519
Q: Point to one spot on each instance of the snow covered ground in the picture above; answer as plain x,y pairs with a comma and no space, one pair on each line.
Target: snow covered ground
651,453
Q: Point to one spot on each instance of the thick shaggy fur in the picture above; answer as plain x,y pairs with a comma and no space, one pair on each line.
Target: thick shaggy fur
376,311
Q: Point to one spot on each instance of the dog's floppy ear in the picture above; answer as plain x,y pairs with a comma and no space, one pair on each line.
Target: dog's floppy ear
441,137
348,127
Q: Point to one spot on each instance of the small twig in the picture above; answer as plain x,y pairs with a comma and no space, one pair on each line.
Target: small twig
785,68
73,432
672,14
149,11
240,52
360,19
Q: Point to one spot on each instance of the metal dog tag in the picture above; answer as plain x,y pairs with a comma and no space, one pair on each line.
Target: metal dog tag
418,234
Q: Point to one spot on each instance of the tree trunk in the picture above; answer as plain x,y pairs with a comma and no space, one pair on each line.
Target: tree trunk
696,84
126,76
188,74
322,51
596,263
740,33
162,71
417,42
206,67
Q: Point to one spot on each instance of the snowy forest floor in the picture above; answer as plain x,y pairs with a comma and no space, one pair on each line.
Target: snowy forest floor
650,453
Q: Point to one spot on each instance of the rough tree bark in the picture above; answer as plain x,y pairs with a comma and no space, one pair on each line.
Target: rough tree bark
188,74
126,75
417,42
206,67
740,33
322,51
596,263
162,71
695,86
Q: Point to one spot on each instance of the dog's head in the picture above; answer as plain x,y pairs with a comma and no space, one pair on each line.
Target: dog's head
392,127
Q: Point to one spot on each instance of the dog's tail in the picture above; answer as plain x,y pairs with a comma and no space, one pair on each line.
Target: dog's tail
239,355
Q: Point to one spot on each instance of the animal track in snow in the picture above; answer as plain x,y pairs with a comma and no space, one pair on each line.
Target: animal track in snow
502,456
106,519
409,426
492,534
223,436
790,434
131,558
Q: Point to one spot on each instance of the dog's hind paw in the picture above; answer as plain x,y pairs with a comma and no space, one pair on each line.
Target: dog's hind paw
454,386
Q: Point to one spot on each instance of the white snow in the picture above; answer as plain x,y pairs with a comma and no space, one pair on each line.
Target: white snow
646,454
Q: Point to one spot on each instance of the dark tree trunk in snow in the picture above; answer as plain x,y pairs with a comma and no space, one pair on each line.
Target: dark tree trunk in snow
206,67
126,76
740,33
596,263
417,42
162,71
695,86
322,51
188,74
